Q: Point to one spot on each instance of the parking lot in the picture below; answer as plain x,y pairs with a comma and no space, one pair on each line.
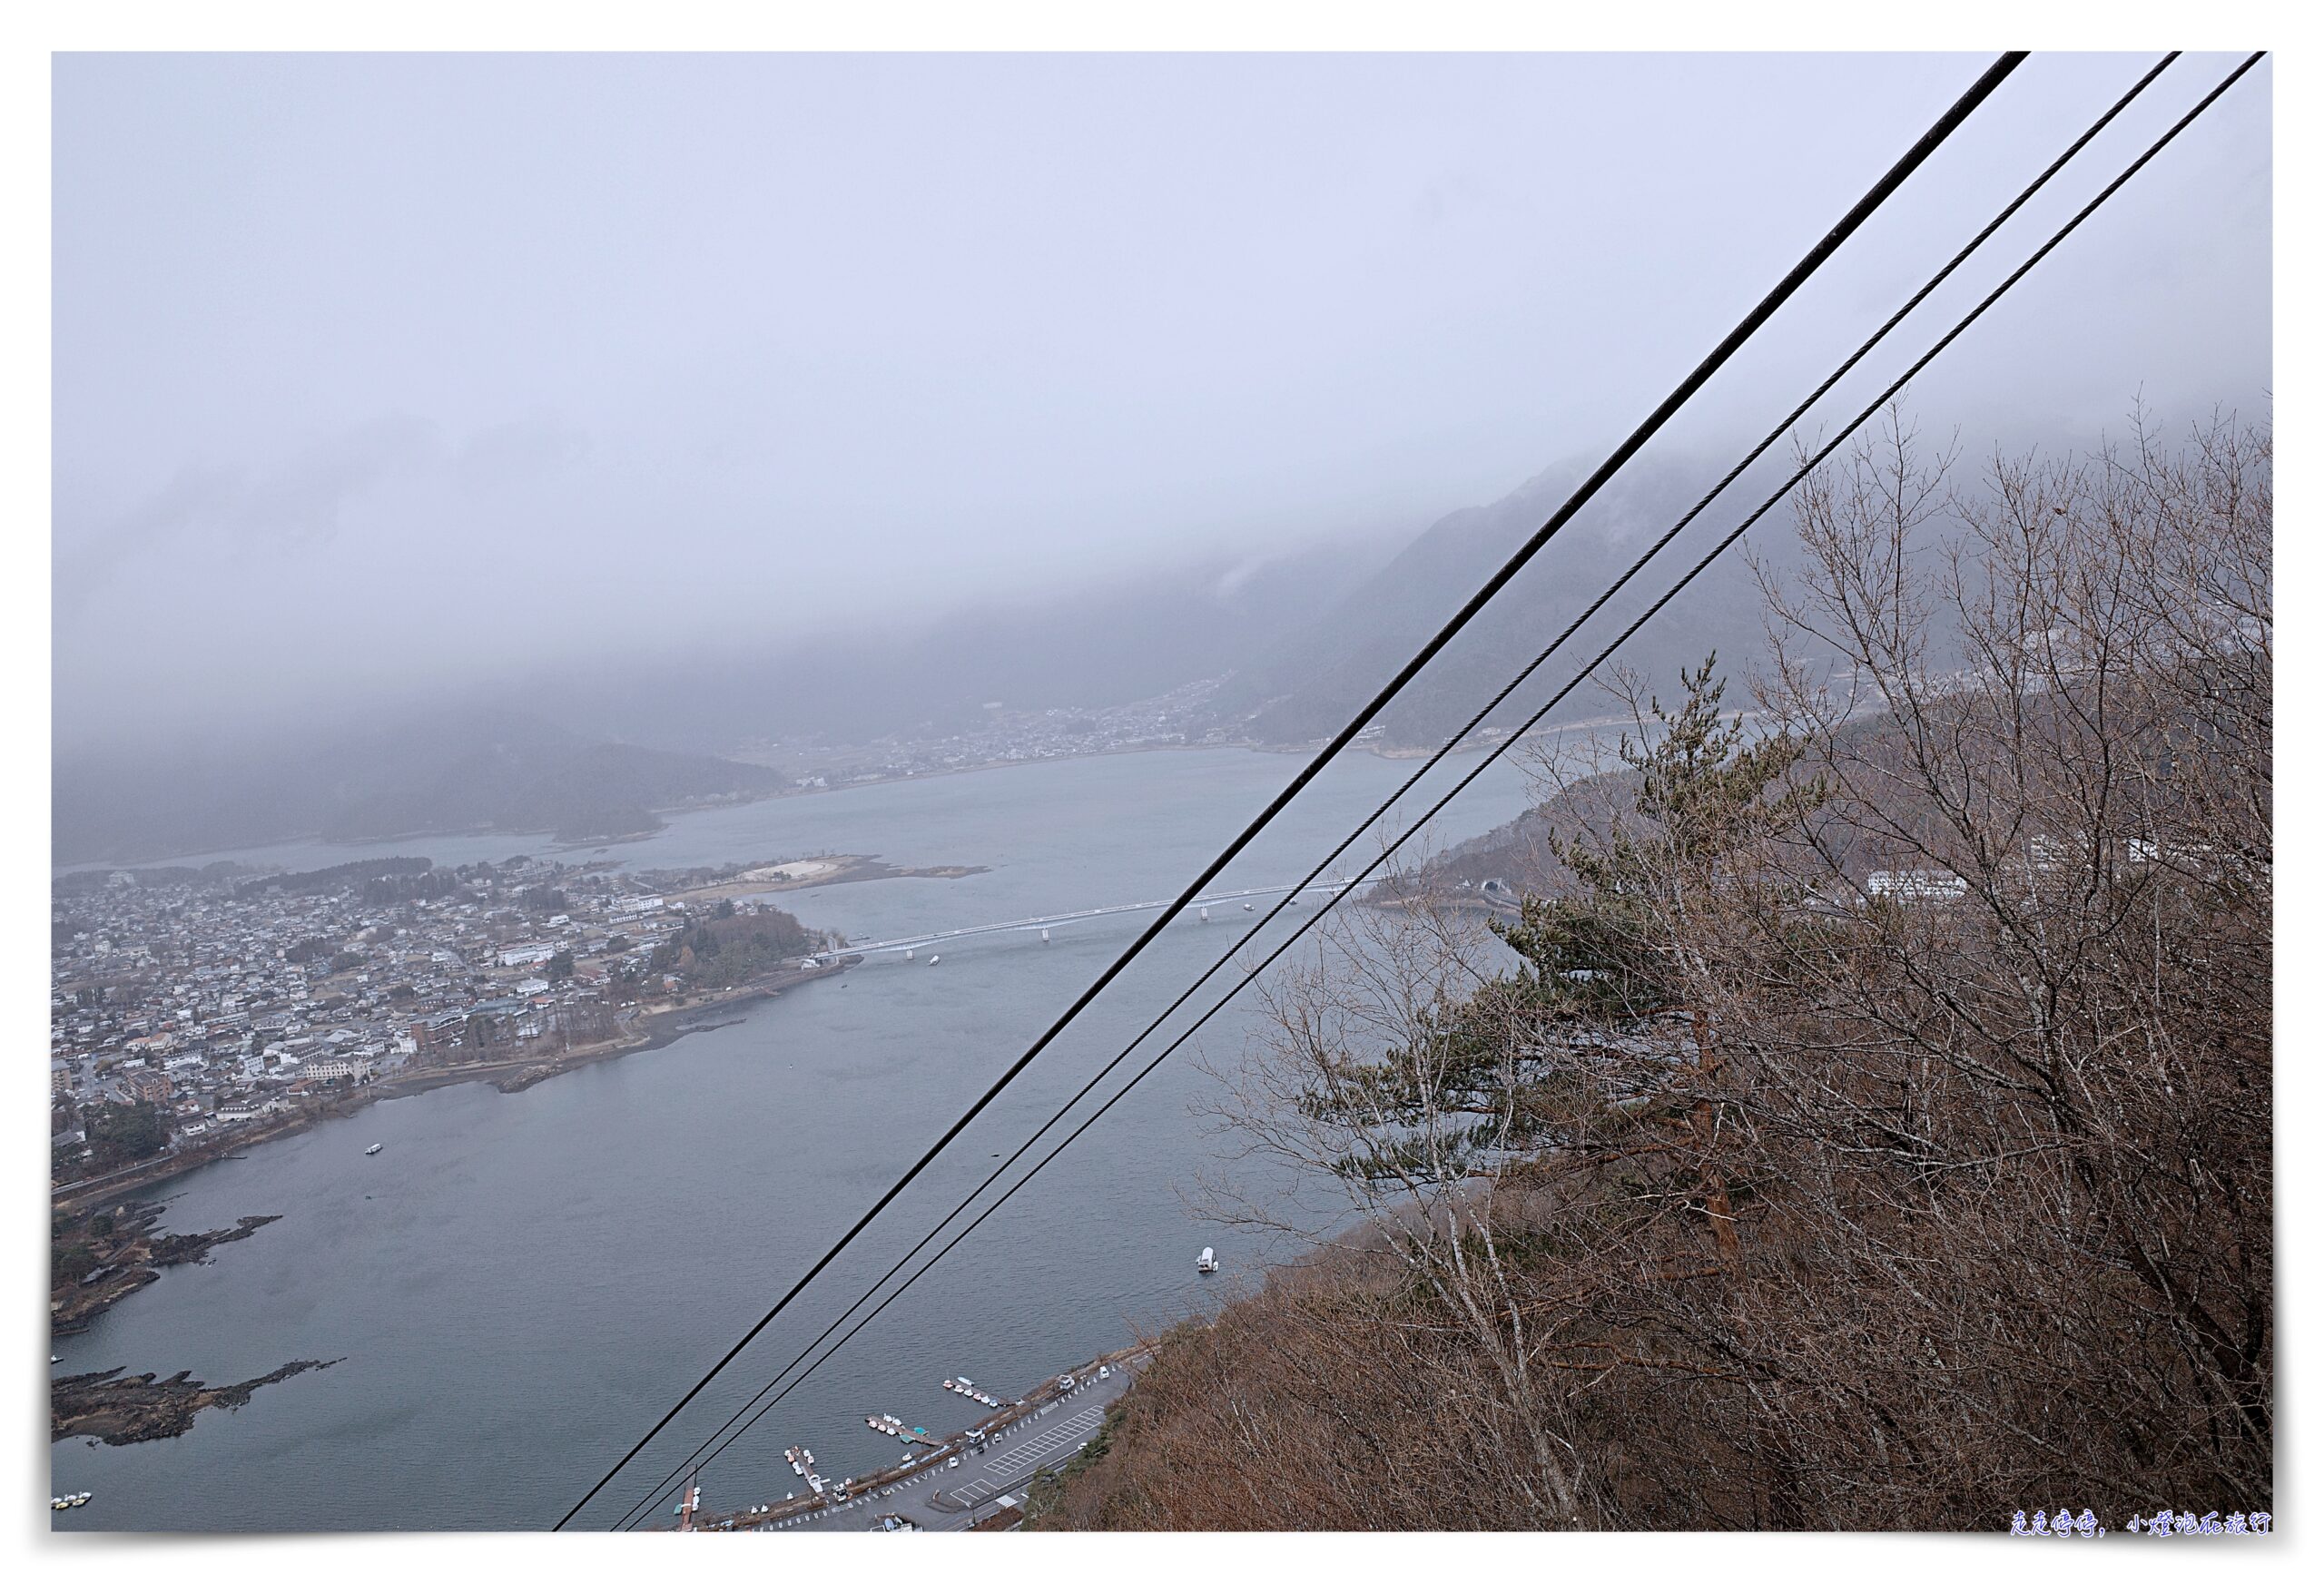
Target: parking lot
999,1470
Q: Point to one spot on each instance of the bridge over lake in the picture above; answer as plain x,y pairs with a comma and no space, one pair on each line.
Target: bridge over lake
1201,908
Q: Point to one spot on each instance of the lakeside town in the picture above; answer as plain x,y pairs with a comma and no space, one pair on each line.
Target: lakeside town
1004,736
193,1008
1181,718
197,1012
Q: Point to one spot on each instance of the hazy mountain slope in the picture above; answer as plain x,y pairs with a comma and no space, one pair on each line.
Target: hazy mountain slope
1313,680
1113,642
459,770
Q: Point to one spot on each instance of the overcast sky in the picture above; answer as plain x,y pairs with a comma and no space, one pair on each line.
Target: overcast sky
373,368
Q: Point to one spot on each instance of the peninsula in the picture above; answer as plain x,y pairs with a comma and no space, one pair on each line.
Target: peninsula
121,1410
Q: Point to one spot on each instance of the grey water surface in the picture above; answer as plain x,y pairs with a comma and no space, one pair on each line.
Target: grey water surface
520,1283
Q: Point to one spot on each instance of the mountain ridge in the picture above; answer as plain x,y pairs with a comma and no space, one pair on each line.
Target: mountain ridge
441,773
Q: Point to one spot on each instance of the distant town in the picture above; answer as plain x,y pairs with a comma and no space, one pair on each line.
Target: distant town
1004,736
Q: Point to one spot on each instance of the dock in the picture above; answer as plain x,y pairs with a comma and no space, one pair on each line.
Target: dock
825,1496
962,1385
887,1423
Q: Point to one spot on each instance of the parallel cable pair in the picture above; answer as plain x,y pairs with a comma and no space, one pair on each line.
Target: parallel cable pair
1816,257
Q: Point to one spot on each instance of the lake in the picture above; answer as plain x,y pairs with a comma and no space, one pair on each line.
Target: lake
520,1283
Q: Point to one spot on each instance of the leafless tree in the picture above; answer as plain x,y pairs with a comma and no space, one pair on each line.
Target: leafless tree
1872,1126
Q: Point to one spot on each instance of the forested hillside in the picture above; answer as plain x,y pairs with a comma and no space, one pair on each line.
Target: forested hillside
1875,1131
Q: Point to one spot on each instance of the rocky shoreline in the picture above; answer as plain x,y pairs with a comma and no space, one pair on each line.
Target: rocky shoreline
124,1256
121,1410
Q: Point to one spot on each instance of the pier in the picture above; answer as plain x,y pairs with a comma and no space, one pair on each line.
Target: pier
966,1387
887,1423
998,1453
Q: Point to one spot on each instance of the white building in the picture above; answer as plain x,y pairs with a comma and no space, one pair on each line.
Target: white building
1916,885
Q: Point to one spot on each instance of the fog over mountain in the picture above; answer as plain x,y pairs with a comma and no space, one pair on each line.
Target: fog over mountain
1108,643
408,773
682,402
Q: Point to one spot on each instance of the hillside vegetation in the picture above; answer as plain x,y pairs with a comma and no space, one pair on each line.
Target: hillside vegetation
1875,1131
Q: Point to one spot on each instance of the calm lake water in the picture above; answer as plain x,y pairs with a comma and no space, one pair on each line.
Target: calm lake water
520,1283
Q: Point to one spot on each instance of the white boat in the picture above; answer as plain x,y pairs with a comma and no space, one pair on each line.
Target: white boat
1207,1263
375,1148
